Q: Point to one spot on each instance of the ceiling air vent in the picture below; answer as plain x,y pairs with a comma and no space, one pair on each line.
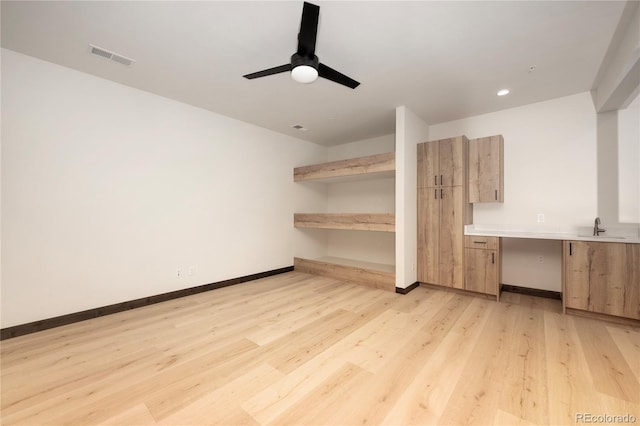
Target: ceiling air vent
299,127
99,51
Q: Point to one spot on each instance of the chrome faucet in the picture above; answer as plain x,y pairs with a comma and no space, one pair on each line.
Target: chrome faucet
596,228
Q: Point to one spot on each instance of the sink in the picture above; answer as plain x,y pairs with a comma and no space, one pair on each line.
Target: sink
610,237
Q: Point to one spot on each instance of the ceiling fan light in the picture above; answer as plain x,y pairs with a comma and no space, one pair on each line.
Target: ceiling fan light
304,74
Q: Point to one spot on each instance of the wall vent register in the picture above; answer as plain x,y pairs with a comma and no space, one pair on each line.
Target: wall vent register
99,51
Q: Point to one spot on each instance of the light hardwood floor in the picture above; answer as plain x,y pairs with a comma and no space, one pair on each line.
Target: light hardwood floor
299,349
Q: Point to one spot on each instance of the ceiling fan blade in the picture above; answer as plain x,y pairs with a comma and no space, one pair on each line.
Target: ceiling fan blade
270,71
308,30
333,75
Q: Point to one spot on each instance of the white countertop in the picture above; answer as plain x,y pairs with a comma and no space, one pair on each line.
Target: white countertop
578,234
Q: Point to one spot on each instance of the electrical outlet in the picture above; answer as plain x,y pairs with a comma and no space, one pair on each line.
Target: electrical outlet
540,259
540,217
178,273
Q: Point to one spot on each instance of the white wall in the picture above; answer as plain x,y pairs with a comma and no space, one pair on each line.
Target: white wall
378,145
617,81
629,163
549,161
107,190
410,131
614,89
550,167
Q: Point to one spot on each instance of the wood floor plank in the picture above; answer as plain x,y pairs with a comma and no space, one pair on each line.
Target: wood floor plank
274,401
376,397
38,404
476,396
628,341
609,369
180,385
426,397
503,418
317,405
299,349
223,403
380,341
88,335
423,301
271,403
284,321
567,370
524,392
137,415
308,341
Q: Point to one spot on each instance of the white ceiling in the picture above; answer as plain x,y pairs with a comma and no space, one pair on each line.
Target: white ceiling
444,60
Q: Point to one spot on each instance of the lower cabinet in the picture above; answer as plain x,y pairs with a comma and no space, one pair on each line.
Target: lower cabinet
602,278
482,265
441,220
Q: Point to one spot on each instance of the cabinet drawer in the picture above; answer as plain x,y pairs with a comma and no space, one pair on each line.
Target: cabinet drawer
488,243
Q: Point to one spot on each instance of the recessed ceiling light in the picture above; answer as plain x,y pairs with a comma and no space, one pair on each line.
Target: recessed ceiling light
503,92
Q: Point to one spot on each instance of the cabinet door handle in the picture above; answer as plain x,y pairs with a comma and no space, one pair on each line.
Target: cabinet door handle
440,179
435,179
479,242
496,195
441,193
570,249
493,258
435,194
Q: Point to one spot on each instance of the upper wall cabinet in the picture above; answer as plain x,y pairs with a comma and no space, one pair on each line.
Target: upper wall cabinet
486,170
441,163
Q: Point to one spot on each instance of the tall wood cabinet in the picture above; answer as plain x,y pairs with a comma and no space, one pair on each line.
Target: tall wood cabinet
602,278
442,211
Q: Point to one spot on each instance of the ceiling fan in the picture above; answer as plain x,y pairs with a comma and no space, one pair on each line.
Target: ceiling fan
305,66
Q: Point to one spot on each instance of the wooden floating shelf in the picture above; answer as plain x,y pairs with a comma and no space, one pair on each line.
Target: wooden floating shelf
374,275
379,163
384,222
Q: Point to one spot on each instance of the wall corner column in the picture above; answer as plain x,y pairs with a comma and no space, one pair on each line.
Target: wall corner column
410,131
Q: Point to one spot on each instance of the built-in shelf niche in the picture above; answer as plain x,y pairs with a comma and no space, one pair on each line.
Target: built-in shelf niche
372,274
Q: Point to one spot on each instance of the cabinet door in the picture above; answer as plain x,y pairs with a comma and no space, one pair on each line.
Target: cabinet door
602,277
428,234
486,170
450,262
576,274
631,308
451,162
428,172
481,271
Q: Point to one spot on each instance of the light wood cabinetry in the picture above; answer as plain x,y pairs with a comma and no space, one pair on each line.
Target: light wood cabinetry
482,265
369,165
442,211
382,222
365,273
486,170
602,277
442,162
